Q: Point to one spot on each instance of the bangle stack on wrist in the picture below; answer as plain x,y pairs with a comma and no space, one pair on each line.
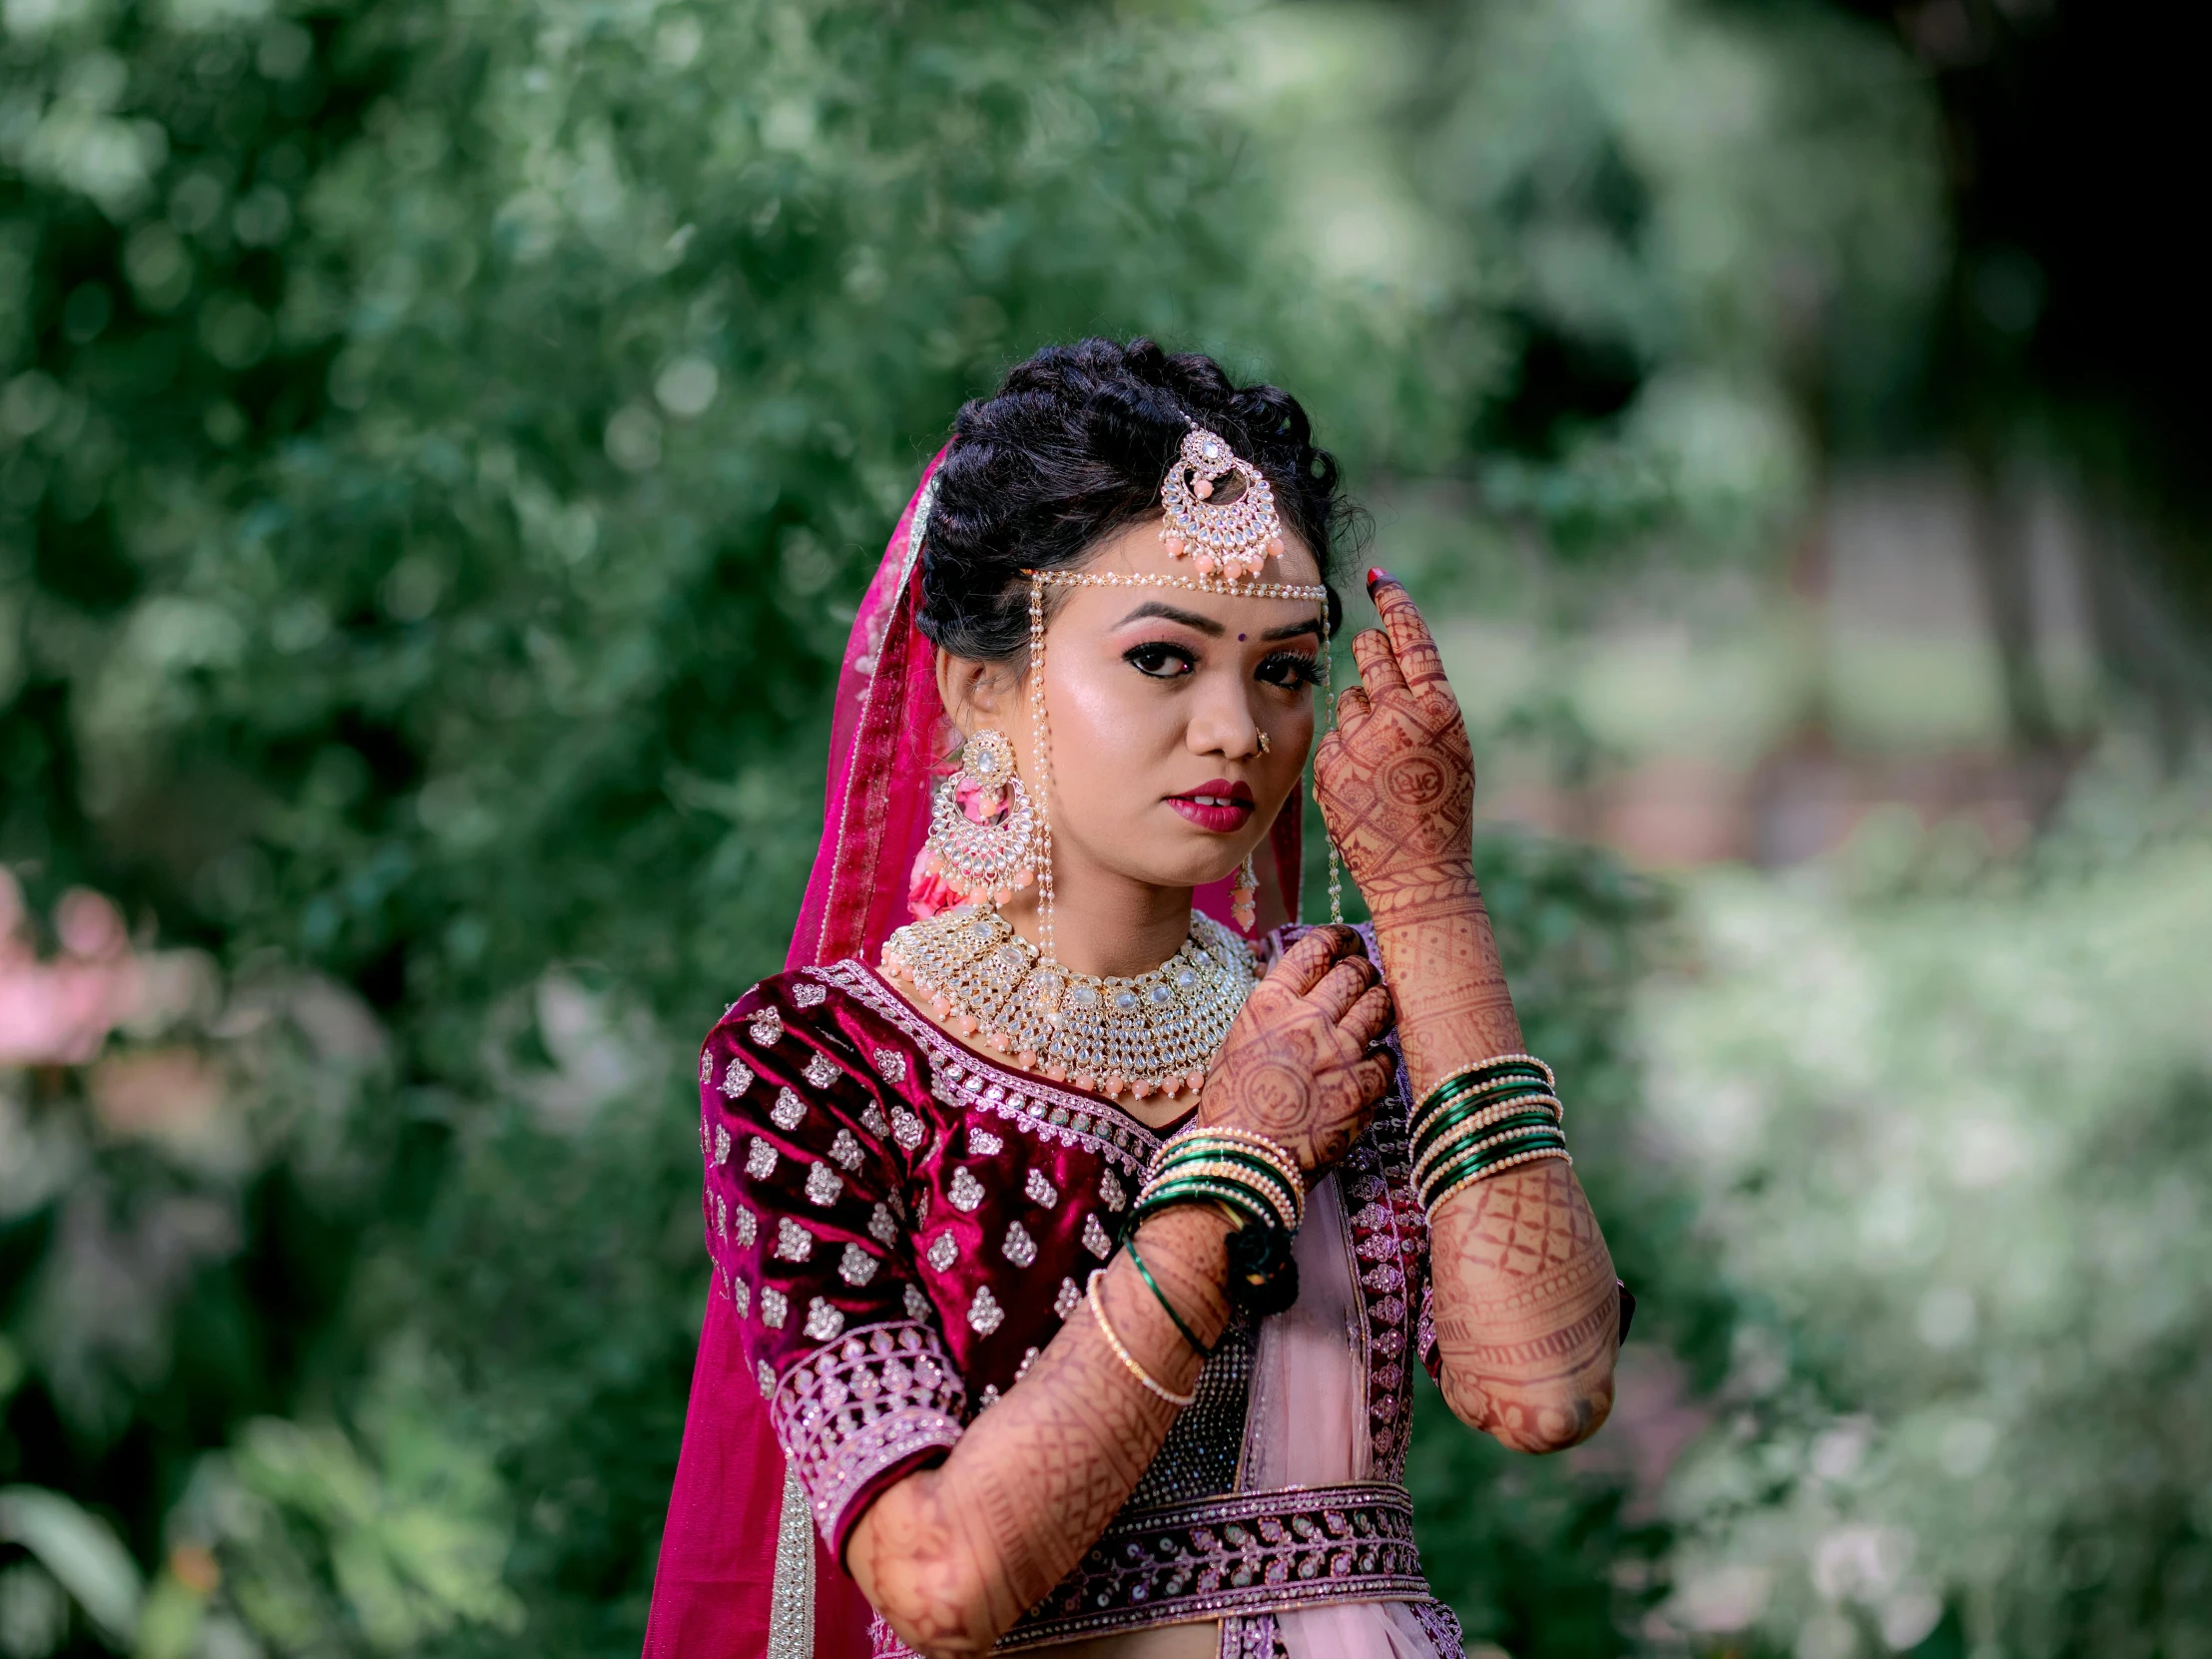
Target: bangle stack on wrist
1483,1120
1252,1180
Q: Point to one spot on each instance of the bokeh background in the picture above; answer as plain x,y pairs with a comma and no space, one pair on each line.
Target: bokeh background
440,450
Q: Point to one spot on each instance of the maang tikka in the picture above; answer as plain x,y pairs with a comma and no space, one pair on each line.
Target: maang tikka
1231,538
982,828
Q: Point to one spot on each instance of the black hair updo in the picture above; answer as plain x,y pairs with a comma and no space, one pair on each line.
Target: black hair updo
1073,446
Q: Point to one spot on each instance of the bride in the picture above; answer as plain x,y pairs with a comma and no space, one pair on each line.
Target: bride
1072,1244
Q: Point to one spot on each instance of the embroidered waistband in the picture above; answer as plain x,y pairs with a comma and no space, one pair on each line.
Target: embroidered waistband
1242,1552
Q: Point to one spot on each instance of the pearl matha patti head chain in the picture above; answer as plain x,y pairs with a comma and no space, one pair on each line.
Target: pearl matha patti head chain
1157,1032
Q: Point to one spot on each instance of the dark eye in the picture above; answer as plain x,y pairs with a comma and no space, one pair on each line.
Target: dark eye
1292,670
1160,659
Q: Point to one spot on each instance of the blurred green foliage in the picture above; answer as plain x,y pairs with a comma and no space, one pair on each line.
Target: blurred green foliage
1949,1132
440,449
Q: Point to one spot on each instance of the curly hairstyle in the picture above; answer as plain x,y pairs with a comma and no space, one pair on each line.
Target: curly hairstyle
1072,447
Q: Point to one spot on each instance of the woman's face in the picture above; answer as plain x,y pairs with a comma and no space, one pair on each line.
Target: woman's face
1157,698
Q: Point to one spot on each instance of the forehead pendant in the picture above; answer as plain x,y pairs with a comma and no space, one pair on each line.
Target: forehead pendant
1231,538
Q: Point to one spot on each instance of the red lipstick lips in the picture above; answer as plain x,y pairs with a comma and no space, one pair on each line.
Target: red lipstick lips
1216,804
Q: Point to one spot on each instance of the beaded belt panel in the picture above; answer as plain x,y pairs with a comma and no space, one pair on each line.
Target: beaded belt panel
1244,1553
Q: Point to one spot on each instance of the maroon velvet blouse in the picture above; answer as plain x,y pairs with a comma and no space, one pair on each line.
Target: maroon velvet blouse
901,1223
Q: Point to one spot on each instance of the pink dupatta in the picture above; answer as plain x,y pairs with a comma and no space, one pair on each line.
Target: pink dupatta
714,1588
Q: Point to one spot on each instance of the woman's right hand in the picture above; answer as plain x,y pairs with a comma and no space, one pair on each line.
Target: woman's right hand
1296,1065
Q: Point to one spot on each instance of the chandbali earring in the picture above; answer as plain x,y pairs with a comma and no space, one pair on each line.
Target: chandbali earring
1234,538
1243,895
982,827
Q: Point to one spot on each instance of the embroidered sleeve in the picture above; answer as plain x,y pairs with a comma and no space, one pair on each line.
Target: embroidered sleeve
807,1225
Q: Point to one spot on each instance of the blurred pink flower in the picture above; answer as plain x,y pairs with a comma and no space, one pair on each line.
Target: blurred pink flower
59,1012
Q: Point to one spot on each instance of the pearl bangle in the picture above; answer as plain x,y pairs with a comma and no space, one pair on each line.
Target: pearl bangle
1127,1360
1499,1168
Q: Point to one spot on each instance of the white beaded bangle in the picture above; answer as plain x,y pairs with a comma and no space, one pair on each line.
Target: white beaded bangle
1500,1168
1456,1140
1127,1360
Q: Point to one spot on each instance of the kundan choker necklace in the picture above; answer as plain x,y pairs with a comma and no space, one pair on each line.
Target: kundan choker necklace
1153,1034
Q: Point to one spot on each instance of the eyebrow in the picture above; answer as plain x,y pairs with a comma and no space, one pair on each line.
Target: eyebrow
1207,626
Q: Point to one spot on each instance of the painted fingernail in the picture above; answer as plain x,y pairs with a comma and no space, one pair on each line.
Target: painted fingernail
1376,576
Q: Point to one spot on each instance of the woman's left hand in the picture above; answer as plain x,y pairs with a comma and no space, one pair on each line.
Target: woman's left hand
1395,779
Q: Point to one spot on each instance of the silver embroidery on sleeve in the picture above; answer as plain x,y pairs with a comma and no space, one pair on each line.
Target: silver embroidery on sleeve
845,1149
873,1121
759,1159
824,1320
943,1251
807,994
918,1305
736,1079
788,1111
880,1227
983,1144
822,1185
705,1069
907,1128
1095,1239
857,1266
1070,1294
1020,1248
890,1065
741,1294
1109,1191
774,1308
722,1144
821,1071
1039,1190
868,1399
741,1224
765,1026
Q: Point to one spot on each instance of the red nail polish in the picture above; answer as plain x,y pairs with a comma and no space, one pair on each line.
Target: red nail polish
1377,574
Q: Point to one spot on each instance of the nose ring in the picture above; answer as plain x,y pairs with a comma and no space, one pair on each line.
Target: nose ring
1265,745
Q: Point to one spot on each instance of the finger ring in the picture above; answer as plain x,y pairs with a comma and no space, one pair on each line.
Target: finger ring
1265,745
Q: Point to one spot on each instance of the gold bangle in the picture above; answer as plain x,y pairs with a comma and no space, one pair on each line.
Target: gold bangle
1500,1168
1127,1360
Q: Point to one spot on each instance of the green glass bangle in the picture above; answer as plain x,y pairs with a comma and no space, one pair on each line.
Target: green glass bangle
1153,1284
1473,1163
1427,1132
1191,1190
1280,1210
1442,1100
1483,1077
1483,1080
1434,1197
1219,1153
1493,1139
1478,1124
1444,1149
